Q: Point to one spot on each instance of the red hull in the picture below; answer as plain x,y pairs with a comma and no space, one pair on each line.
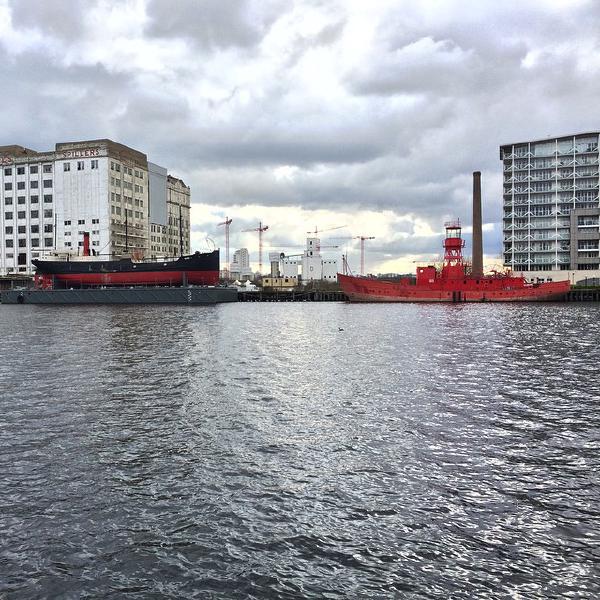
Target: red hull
172,278
485,289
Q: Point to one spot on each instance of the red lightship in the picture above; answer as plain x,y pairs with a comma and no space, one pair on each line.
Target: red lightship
452,283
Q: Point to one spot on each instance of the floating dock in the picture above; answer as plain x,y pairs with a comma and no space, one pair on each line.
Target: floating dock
191,295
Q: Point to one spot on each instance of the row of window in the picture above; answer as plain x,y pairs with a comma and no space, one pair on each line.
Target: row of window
33,169
94,243
9,230
127,199
33,199
127,170
22,214
8,186
34,242
81,232
116,210
82,222
80,165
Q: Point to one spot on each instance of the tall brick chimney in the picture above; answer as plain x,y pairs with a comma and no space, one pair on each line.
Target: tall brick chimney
477,264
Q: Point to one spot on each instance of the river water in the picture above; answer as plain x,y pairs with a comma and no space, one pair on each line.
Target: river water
309,450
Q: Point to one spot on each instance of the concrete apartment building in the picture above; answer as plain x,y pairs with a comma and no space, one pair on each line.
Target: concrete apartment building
551,207
48,200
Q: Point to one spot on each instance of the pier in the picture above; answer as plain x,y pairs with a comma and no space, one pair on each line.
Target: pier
295,296
583,295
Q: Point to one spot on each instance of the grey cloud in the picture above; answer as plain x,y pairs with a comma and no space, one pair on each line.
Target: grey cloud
59,18
213,23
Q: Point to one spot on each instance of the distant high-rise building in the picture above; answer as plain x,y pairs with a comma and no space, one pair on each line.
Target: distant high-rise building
49,199
240,265
551,205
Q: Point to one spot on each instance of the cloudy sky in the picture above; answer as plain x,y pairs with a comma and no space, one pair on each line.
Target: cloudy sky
308,113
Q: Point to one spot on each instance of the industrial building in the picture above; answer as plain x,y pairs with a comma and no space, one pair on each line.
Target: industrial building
551,207
126,204
312,264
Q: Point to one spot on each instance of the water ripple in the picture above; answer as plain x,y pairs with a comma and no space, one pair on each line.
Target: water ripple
257,451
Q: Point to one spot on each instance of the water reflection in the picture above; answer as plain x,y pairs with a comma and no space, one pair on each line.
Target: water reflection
265,450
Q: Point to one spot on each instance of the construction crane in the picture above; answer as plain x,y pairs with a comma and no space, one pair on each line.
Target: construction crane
362,239
260,230
317,230
227,223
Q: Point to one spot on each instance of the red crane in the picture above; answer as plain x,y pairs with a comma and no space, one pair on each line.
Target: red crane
362,239
260,230
227,223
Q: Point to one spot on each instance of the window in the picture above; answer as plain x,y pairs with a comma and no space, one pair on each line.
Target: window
35,229
33,185
48,213
22,243
67,234
48,228
94,164
117,167
47,198
20,199
35,214
34,199
68,244
21,214
47,169
95,243
20,185
112,165
81,222
48,242
9,244
8,171
95,221
22,229
47,183
7,186
80,165
67,222
95,232
8,201
33,169
8,230
66,167
20,170
35,242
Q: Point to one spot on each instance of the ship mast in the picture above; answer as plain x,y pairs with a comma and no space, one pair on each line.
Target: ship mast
126,233
180,233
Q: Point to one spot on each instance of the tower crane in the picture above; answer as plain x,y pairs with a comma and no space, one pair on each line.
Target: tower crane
317,231
260,230
227,223
362,239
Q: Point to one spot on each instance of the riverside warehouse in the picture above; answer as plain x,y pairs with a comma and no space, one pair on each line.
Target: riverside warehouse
126,203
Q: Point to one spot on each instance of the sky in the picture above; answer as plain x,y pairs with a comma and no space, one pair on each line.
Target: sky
366,117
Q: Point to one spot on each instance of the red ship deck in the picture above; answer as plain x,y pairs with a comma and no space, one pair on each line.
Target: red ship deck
486,289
